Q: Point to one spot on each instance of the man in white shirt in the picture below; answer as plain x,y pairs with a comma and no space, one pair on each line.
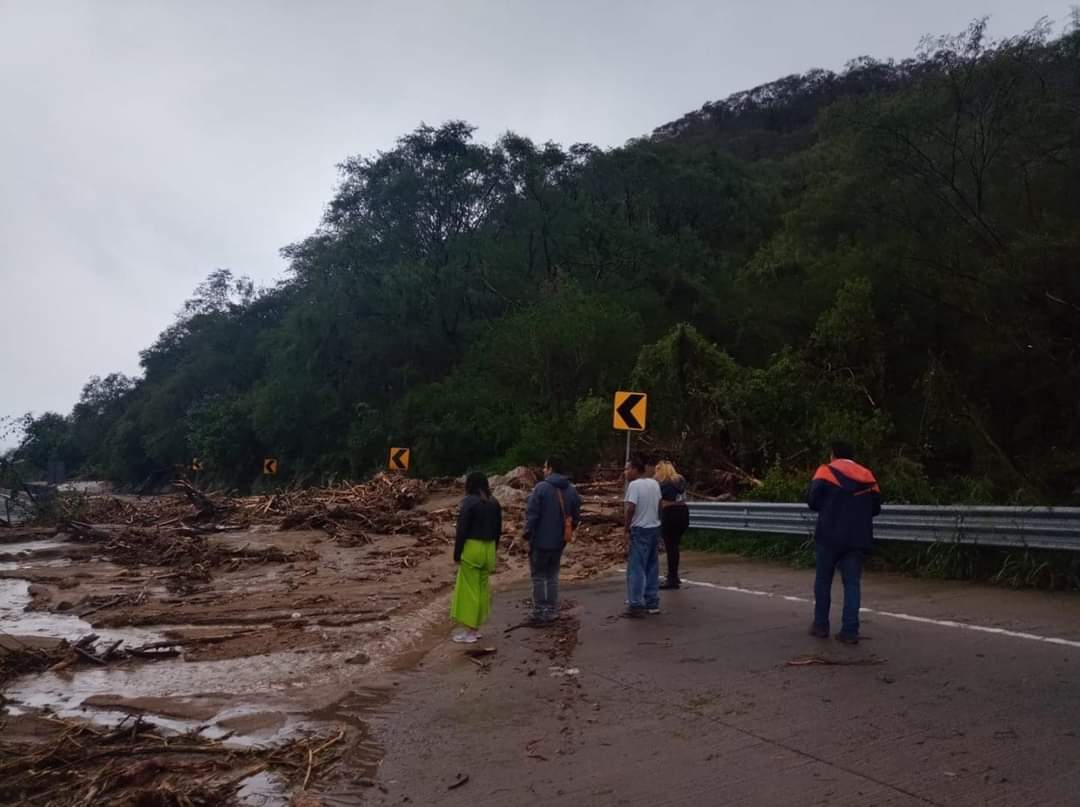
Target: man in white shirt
643,530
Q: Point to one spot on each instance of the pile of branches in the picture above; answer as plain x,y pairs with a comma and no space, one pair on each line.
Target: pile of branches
190,553
172,531
348,513
87,651
384,505
147,511
137,765
18,658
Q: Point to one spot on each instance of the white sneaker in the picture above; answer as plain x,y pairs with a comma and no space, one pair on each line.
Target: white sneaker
466,637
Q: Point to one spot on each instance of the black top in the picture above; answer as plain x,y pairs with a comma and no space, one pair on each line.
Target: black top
546,510
478,518
671,491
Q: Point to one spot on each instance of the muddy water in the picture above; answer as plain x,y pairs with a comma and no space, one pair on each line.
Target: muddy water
49,552
25,550
15,565
16,619
264,790
258,699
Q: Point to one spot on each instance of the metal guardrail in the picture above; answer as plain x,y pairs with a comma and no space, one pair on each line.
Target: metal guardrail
1017,527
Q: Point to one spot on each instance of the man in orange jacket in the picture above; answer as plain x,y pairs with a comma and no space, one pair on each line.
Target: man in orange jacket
846,497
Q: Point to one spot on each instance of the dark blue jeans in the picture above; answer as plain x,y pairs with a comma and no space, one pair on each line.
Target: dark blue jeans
849,562
643,568
544,566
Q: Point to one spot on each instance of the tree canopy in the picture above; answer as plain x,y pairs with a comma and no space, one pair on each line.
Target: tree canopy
887,253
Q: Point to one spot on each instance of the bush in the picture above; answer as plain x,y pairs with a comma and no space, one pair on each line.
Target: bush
795,551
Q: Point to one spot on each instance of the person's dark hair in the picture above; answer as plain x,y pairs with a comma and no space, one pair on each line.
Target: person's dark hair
842,450
476,484
638,464
556,464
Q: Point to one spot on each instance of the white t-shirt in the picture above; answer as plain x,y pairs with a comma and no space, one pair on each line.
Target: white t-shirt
644,494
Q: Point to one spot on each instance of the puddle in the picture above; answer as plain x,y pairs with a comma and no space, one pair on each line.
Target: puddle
248,701
15,619
264,790
15,565
254,677
174,697
31,545
29,550
355,775
108,718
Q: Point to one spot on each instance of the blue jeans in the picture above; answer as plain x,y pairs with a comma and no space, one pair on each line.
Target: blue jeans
849,561
544,566
643,568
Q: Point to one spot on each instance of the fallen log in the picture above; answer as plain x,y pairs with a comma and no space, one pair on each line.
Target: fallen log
199,500
90,532
111,649
153,654
103,606
89,656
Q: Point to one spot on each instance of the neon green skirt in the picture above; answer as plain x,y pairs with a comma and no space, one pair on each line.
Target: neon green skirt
471,603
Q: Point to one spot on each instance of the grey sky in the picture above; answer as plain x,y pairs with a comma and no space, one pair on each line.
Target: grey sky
144,144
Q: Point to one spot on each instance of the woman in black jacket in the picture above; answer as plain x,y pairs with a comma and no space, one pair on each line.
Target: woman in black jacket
674,518
478,530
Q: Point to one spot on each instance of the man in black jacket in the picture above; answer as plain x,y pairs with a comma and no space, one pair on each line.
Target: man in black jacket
551,502
846,497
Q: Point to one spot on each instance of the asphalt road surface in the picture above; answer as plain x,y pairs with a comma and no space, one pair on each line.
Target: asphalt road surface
960,694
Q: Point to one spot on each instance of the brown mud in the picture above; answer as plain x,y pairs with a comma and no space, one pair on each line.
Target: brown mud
228,650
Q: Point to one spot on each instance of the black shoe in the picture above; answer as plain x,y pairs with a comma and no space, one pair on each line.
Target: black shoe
847,638
669,585
635,613
819,631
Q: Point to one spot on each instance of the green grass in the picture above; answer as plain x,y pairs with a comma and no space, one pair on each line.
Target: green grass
792,550
1032,568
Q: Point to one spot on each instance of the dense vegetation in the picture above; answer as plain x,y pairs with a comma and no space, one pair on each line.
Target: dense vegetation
888,253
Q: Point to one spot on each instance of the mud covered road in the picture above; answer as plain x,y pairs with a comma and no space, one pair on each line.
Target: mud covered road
258,638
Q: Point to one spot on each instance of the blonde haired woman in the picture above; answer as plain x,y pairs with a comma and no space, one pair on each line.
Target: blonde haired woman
674,517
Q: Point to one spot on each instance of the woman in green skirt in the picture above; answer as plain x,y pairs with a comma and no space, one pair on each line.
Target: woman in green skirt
478,529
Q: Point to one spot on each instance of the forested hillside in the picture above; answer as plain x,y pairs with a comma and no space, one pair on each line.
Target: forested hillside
891,253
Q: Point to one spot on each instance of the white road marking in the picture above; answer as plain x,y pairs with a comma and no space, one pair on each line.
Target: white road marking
945,623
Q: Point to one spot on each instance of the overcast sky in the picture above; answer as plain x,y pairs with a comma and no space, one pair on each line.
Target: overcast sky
144,144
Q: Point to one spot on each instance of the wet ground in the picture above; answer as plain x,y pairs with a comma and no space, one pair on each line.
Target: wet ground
314,641
270,652
959,695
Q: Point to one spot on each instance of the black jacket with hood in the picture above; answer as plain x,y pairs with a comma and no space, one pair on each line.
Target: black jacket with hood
846,497
544,516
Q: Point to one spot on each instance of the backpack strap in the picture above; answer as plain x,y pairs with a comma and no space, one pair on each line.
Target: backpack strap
568,523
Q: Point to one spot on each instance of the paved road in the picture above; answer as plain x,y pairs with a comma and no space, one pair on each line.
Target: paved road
700,705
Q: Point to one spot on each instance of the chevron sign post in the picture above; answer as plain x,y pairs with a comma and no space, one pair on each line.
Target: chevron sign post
399,459
629,414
